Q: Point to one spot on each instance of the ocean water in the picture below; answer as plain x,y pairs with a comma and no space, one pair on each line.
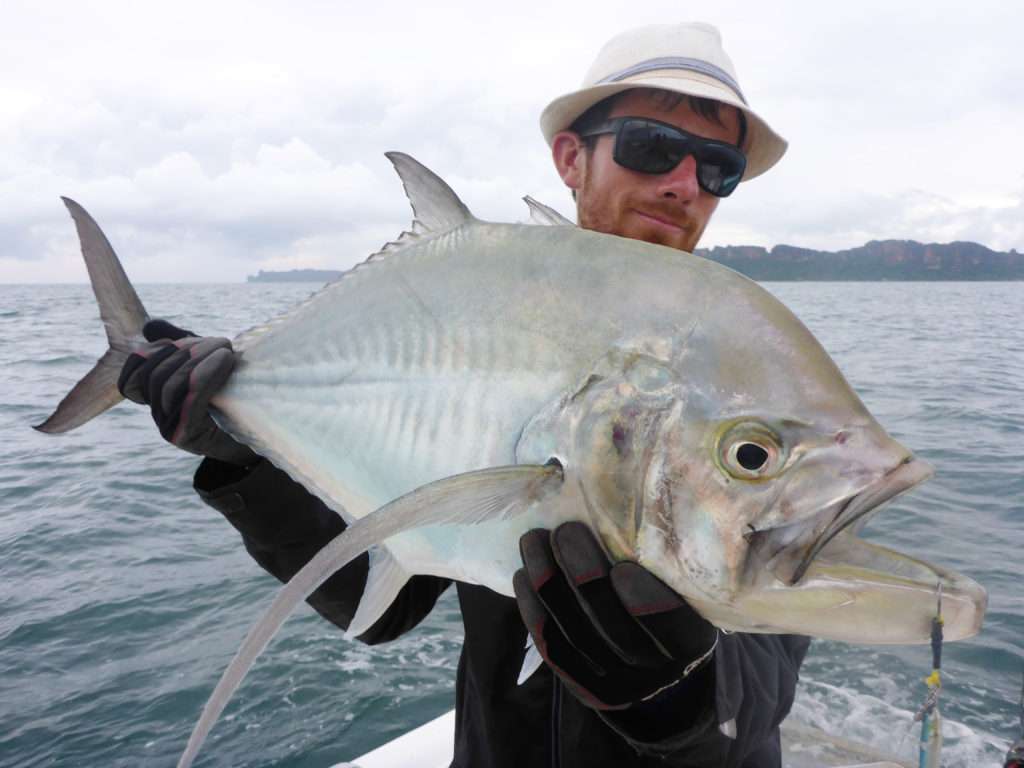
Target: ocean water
122,597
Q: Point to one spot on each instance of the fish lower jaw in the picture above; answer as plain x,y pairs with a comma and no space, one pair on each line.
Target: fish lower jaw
787,552
859,592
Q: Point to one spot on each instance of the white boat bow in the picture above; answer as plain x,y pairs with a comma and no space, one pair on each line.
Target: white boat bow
430,746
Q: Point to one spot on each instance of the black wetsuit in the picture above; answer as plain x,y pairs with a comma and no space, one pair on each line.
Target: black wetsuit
750,686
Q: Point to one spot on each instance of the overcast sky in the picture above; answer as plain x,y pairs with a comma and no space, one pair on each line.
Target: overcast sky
211,139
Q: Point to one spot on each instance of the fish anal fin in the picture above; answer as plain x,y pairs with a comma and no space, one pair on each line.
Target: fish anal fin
467,499
384,581
532,661
436,207
545,214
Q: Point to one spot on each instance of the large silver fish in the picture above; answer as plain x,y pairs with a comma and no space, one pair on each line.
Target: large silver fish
475,380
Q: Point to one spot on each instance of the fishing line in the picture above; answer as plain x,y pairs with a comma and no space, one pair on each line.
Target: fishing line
931,723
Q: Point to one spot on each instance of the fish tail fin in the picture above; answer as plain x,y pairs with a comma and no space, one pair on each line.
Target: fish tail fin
123,317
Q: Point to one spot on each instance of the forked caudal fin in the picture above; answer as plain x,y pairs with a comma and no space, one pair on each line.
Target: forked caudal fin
435,206
123,317
475,497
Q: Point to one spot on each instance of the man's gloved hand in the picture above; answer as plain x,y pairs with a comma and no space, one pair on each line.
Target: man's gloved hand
615,634
176,374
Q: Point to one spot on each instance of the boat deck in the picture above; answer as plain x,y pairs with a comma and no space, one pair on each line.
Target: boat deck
430,746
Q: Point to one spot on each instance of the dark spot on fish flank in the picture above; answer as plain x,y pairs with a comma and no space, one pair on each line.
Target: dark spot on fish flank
698,572
619,435
842,436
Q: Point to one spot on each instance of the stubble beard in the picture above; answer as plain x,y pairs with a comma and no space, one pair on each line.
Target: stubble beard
608,220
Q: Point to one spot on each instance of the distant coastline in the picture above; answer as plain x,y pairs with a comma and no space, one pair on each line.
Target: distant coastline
905,260
295,276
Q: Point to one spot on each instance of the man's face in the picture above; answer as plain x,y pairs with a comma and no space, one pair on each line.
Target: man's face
667,209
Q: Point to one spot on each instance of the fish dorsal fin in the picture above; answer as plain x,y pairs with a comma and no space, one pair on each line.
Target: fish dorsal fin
545,215
436,207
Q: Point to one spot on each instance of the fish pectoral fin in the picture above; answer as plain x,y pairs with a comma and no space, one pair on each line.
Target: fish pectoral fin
384,580
480,496
545,215
466,499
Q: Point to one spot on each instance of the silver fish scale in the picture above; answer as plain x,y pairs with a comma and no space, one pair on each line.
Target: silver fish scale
387,379
429,360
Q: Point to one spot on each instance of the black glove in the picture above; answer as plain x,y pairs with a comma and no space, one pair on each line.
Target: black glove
615,634
176,374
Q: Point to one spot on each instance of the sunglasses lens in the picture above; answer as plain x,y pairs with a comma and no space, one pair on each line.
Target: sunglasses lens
649,147
720,168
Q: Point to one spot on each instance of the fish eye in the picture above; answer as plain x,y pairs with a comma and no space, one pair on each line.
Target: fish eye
750,451
751,456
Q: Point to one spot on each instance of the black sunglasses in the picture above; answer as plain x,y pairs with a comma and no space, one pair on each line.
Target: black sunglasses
650,146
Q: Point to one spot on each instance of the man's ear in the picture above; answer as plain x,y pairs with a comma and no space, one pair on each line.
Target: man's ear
569,153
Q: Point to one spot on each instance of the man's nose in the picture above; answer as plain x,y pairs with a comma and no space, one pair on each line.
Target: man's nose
681,182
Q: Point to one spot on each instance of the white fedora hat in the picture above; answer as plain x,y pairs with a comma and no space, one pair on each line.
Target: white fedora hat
685,58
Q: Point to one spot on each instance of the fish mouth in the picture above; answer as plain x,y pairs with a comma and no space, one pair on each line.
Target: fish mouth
818,577
782,546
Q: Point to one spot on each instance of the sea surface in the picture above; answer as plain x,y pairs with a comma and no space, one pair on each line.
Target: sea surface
122,597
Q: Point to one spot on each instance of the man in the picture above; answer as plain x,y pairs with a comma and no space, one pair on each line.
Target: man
656,136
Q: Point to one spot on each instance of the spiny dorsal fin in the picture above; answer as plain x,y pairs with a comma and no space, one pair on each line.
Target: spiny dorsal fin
436,207
545,215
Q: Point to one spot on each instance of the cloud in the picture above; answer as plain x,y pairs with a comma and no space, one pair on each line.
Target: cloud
210,150
837,221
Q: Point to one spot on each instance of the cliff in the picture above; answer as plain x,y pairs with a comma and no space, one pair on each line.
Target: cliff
878,260
294,276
